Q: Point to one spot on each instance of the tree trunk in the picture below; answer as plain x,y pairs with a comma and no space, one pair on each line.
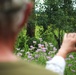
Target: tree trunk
45,28
31,23
30,29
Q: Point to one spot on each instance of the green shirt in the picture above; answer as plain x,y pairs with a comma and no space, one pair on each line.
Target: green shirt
23,68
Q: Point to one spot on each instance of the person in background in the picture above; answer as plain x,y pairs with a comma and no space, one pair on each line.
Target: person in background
13,16
57,64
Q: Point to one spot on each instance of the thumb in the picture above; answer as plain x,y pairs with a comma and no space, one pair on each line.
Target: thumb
65,35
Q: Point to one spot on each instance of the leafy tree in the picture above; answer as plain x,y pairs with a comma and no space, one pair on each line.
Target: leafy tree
59,15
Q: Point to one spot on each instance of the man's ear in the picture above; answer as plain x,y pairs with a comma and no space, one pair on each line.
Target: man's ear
26,14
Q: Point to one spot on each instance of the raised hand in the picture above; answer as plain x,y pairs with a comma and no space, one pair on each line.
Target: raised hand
68,45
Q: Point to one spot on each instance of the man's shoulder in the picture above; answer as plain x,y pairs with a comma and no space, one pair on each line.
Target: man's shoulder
35,69
23,68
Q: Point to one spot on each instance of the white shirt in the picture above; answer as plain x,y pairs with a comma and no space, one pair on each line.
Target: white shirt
57,64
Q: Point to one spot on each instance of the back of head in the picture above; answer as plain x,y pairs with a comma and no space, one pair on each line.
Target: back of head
11,15
10,6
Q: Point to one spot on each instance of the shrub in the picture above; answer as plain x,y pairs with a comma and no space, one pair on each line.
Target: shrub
38,52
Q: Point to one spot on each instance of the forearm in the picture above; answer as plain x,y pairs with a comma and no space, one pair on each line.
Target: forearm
62,53
57,64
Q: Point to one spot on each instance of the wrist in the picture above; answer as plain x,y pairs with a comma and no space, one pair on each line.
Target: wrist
62,53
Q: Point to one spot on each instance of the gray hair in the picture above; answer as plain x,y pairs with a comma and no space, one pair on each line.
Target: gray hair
11,13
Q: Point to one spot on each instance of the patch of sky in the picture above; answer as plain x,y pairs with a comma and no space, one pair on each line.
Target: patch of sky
39,4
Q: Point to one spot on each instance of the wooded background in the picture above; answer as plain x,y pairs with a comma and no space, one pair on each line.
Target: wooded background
55,16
